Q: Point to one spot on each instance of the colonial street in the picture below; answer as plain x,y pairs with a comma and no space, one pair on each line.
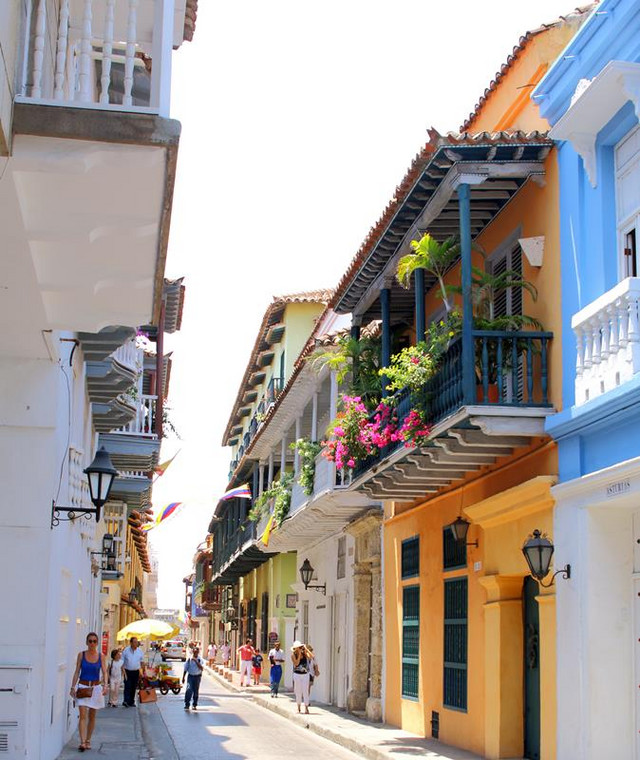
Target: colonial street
226,726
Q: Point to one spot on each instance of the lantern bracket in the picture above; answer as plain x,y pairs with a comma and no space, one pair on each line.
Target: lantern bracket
565,572
73,512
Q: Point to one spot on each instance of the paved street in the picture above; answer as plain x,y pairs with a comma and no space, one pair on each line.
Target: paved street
231,726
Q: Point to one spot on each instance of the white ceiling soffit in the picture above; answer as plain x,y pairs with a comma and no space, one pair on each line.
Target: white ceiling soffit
594,104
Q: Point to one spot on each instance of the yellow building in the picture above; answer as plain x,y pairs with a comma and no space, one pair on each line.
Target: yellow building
469,635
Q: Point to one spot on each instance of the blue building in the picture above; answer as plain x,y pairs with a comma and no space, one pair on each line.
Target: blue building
591,97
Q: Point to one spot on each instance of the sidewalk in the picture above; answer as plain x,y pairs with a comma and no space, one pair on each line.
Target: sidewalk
370,740
137,733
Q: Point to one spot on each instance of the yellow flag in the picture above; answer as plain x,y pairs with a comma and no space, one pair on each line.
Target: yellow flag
267,532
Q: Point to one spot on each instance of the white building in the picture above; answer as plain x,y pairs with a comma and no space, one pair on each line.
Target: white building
87,164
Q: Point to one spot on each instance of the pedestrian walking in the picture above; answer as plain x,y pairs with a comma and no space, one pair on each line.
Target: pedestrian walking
301,658
131,662
314,670
276,658
89,684
193,668
212,650
245,653
225,651
115,676
256,662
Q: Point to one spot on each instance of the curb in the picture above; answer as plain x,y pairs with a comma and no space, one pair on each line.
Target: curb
354,745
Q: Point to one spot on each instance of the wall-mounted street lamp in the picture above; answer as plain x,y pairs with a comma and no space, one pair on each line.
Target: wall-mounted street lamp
101,473
108,551
538,551
306,574
459,529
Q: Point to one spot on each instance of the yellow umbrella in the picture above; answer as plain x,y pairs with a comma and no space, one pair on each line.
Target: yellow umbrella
147,628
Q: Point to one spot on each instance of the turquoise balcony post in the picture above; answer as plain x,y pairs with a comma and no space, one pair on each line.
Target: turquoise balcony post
468,353
385,308
419,294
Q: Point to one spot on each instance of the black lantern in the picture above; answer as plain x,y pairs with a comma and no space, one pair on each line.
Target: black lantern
538,551
306,574
133,596
459,529
107,543
101,474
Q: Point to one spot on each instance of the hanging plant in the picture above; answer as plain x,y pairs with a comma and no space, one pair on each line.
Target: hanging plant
280,492
307,451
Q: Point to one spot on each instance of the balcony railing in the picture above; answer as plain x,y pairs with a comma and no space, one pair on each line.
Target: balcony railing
129,355
511,370
607,341
273,389
234,542
98,54
144,421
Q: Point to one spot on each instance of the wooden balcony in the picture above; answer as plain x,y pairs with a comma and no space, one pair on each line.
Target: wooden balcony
504,411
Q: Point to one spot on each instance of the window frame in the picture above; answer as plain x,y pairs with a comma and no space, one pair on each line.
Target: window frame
449,664
412,661
409,572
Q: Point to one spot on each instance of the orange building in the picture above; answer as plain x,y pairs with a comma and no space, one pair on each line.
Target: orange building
469,635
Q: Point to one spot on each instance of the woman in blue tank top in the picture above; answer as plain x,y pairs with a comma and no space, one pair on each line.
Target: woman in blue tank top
90,673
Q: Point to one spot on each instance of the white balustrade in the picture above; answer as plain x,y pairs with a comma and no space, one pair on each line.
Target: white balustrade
144,421
79,496
91,40
129,355
608,341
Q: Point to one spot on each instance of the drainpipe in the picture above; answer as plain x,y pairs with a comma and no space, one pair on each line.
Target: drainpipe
160,372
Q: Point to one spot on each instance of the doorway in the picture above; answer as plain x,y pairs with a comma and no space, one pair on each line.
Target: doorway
530,590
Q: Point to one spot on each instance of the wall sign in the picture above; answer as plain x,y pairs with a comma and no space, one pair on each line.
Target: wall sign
616,489
292,600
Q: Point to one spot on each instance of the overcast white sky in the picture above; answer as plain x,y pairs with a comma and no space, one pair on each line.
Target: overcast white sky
299,119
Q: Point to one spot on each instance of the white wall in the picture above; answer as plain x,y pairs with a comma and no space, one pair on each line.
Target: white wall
324,559
45,579
597,686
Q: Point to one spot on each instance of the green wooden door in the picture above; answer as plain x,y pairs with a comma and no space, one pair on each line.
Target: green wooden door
531,670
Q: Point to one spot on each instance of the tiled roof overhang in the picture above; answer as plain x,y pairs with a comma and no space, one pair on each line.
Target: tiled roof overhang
97,346
130,452
174,304
576,17
136,491
495,164
272,316
240,565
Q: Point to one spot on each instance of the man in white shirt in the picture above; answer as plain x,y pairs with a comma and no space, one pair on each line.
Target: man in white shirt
131,661
276,658
193,668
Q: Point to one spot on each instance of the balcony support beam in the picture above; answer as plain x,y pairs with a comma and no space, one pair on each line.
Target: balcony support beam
468,353
385,307
314,417
420,313
260,478
283,454
296,456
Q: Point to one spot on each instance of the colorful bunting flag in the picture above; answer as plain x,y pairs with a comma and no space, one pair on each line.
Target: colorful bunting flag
162,515
267,531
241,492
164,466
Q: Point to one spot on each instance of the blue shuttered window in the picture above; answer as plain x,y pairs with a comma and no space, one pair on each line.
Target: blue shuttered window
410,558
410,641
455,643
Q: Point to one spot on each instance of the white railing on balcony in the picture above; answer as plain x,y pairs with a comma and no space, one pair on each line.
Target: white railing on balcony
144,421
129,355
97,54
608,341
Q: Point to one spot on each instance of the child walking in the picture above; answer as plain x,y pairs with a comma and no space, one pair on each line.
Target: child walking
115,676
257,667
